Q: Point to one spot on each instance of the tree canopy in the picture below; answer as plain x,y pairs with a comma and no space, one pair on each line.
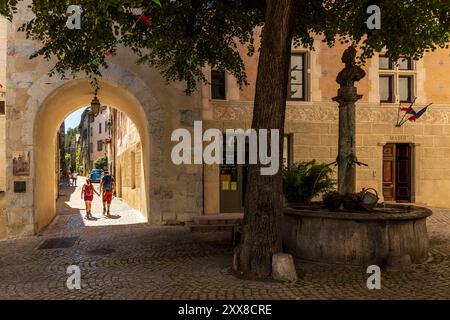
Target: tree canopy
69,136
182,36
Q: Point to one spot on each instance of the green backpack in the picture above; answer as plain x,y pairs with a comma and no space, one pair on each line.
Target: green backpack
107,182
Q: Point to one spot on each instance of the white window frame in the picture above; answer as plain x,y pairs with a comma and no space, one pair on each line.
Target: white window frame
396,73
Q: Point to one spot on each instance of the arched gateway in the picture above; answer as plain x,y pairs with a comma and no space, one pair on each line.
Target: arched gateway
58,104
169,193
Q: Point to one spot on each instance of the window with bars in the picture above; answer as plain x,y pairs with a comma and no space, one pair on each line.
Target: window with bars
298,77
2,108
397,80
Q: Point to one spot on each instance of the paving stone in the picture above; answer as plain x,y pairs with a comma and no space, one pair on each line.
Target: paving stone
134,260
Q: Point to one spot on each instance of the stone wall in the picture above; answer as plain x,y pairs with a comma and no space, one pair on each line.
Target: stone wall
128,173
3,202
128,161
315,132
3,24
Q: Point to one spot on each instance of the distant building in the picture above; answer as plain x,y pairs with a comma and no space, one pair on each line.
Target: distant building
60,162
72,151
93,130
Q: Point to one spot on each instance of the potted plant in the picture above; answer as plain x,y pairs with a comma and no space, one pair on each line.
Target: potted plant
333,200
303,181
351,201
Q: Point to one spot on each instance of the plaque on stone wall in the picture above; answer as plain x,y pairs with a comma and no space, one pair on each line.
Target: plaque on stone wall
21,163
20,186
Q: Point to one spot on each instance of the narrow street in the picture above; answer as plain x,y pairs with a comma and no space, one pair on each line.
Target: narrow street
124,258
71,213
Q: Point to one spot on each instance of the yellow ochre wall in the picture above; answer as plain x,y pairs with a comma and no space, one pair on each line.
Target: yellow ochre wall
314,123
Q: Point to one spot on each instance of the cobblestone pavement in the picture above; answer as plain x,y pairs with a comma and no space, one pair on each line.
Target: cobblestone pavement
138,261
71,218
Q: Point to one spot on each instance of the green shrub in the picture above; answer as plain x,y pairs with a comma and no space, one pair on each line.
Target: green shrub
302,181
101,163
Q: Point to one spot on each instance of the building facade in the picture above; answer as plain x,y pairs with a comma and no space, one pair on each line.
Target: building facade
93,131
404,164
3,184
98,132
407,163
73,147
125,152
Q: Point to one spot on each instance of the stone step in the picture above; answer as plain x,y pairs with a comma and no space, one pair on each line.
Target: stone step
210,228
220,219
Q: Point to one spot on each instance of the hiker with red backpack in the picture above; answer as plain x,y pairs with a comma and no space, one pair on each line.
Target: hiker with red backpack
87,193
107,186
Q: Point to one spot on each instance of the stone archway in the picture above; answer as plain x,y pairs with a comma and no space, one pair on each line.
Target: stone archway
52,112
35,112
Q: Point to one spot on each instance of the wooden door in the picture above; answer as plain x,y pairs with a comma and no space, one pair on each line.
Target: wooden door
403,173
233,180
389,172
397,175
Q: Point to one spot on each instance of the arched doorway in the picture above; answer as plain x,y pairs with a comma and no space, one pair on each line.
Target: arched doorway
58,104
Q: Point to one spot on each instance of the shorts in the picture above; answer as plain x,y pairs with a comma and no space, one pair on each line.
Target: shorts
89,198
107,196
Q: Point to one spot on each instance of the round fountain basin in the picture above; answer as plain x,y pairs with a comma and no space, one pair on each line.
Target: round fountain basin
357,238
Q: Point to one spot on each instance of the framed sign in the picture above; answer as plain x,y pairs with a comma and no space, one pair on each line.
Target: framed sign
21,163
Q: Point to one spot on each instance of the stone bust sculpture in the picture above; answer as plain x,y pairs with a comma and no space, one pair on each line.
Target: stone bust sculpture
351,72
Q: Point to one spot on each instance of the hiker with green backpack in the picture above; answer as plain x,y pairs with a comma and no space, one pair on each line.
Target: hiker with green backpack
107,187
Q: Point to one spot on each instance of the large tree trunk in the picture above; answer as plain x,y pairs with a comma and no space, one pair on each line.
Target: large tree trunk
261,237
